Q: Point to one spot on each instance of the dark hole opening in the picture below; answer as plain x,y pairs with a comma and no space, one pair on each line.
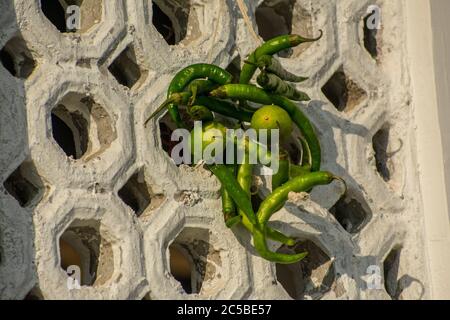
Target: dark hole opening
293,147
82,128
135,193
274,20
167,127
336,90
8,62
313,276
82,245
125,68
181,268
370,38
190,259
139,196
24,184
34,294
350,214
163,24
342,92
55,12
17,58
64,136
147,297
256,200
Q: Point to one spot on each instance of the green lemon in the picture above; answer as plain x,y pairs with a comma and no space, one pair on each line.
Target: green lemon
210,132
272,117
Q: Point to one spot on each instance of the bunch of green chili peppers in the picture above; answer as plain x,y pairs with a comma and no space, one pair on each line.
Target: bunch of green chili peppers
207,89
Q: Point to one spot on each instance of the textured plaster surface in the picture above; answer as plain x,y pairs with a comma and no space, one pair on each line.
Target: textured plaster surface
87,189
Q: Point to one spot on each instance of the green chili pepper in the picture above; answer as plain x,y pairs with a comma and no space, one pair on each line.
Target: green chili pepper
198,87
231,222
270,233
225,108
200,113
259,240
224,175
273,203
272,65
258,95
228,205
244,178
175,98
276,85
238,195
242,91
305,127
282,175
271,47
297,184
193,72
296,170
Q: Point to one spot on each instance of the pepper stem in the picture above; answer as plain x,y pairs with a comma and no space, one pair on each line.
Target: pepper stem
163,106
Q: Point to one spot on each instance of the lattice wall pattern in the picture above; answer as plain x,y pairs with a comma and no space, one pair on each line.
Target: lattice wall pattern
83,182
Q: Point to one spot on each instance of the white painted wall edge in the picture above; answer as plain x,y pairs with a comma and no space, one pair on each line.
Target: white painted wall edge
429,135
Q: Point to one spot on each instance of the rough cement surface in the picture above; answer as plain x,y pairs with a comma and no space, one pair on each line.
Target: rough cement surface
73,193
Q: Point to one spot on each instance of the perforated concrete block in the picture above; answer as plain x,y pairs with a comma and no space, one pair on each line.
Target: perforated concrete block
101,191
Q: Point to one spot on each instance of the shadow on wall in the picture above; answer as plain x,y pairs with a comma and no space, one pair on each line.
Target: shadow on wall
20,184
315,276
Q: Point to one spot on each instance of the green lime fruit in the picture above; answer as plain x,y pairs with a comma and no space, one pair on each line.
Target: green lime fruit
211,132
272,117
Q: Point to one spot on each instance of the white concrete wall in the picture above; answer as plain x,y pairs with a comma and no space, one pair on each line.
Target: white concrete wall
406,211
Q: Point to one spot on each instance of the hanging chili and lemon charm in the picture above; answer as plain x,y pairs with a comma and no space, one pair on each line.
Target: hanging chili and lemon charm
207,90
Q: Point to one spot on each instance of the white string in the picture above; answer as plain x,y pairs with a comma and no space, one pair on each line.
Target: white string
216,28
247,21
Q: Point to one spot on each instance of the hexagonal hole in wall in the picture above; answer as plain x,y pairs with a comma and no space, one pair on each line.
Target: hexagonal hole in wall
195,263
280,17
73,15
351,214
370,36
256,199
17,58
167,127
83,247
293,146
343,92
34,294
126,69
25,185
139,195
147,297
391,267
81,127
176,21
310,278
